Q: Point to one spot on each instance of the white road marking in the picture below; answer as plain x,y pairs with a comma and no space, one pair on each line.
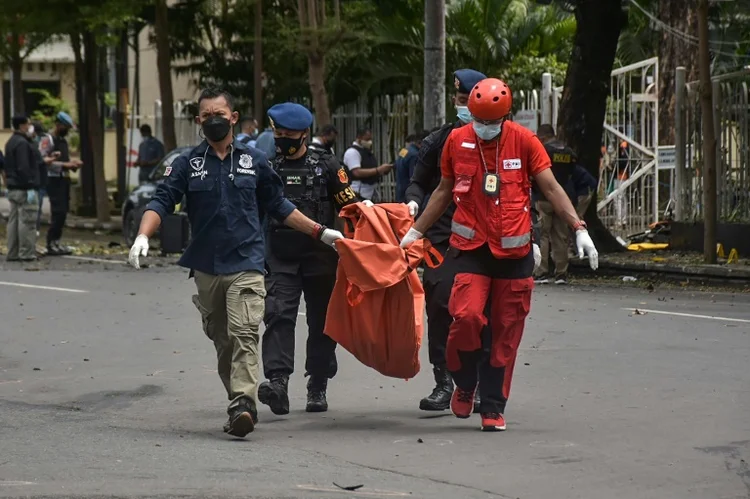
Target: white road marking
14,483
694,316
34,286
90,259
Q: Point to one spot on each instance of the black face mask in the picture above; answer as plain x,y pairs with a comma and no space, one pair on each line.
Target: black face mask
287,146
329,145
216,128
62,132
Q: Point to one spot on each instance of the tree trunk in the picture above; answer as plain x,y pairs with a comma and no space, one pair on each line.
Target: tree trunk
307,11
164,66
585,94
317,72
258,64
709,138
95,129
673,53
434,64
15,66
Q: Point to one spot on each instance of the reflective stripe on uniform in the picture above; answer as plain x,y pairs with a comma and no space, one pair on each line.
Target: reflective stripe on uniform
515,241
462,230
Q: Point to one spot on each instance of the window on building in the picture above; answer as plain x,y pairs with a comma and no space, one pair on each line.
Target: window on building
42,67
31,99
30,67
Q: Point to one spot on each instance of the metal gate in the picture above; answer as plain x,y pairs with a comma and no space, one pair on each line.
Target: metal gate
629,189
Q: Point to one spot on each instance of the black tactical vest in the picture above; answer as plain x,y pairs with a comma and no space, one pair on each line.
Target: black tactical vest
368,161
305,185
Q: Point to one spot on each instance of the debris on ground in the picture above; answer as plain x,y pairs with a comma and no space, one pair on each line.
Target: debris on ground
348,487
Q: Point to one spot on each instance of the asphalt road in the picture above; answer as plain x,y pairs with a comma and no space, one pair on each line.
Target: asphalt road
108,388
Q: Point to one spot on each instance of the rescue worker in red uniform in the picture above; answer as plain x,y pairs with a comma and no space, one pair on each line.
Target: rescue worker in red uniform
486,170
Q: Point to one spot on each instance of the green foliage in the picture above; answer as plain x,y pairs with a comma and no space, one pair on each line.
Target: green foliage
526,71
50,106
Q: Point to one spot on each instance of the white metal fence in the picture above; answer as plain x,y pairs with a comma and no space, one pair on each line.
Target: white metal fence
629,197
731,108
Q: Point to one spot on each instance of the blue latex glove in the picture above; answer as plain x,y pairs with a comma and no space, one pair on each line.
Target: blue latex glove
32,197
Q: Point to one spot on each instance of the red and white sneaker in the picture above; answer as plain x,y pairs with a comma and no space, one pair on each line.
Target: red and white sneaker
493,421
462,402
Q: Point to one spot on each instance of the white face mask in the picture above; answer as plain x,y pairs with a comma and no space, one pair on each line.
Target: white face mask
367,144
30,131
487,132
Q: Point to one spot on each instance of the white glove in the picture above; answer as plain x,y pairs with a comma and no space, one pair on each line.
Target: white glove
585,244
330,236
140,248
537,256
410,237
368,203
413,208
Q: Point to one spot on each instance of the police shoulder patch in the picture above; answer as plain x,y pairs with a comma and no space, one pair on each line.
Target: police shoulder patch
403,152
343,177
167,171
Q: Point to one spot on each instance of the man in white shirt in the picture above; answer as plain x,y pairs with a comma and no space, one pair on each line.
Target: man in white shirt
363,166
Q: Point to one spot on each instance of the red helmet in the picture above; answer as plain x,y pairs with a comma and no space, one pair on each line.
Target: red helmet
490,100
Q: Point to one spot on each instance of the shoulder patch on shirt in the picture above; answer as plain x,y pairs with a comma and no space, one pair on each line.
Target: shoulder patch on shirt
468,145
167,171
403,152
343,177
511,164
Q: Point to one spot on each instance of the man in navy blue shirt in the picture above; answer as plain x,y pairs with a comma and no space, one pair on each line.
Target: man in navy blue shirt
229,187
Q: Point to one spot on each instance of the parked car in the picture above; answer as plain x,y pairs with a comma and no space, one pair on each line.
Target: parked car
135,204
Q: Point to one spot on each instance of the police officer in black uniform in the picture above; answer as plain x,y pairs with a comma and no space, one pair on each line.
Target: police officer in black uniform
318,186
439,281
553,230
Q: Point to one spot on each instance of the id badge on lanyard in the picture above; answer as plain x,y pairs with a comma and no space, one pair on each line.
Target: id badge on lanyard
491,187
491,183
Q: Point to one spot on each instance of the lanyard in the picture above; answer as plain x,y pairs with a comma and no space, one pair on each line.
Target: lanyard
497,156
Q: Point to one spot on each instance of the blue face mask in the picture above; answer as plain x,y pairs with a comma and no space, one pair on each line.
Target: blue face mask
487,132
464,114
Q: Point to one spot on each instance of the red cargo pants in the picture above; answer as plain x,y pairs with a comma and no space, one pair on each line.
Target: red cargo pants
510,302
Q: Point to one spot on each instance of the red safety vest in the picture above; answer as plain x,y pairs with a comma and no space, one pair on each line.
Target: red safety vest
503,221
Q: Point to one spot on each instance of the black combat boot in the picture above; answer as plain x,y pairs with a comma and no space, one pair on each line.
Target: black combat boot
316,394
242,418
274,394
440,398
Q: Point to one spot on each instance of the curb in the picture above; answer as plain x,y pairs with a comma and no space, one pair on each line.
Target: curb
708,272
81,225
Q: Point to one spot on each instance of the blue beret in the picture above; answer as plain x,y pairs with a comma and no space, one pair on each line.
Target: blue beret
465,79
290,116
65,119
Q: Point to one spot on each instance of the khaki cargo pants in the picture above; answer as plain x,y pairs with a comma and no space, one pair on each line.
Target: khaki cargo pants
554,235
232,307
21,226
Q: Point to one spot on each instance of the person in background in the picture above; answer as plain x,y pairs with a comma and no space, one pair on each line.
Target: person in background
554,229
325,139
150,152
407,160
229,187
39,133
363,165
22,172
584,185
58,180
248,131
266,143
